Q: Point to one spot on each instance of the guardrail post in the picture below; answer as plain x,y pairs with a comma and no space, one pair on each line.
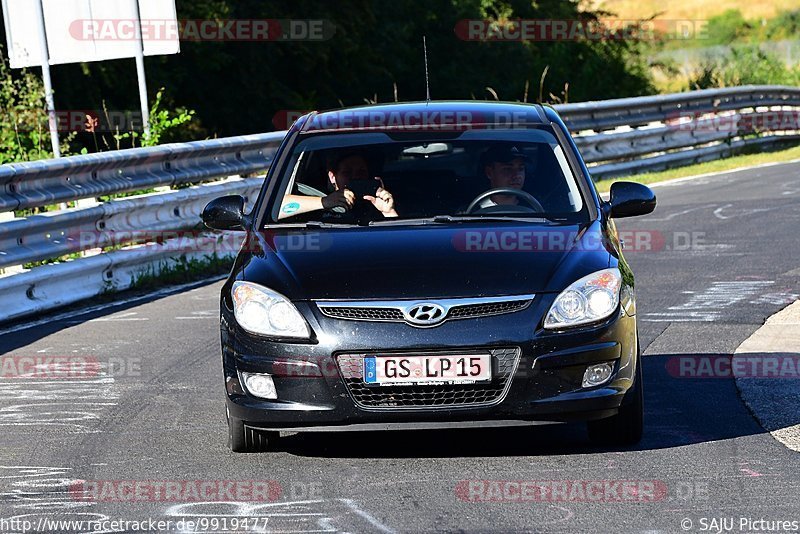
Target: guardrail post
13,269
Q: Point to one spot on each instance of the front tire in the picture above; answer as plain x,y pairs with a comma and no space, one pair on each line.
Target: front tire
627,426
242,438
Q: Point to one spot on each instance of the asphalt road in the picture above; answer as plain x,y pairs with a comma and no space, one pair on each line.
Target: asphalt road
723,257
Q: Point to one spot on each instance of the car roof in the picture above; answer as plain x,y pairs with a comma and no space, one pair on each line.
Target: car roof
451,115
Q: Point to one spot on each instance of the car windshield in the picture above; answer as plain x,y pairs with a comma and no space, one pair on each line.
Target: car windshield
397,178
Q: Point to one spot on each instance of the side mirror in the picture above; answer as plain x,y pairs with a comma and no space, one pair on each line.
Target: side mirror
225,213
629,199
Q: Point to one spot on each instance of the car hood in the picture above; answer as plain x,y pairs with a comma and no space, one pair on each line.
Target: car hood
447,260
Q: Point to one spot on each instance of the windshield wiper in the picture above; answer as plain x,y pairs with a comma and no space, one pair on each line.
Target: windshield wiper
309,224
489,218
441,219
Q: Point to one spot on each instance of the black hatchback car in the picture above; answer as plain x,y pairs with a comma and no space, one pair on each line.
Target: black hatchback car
430,265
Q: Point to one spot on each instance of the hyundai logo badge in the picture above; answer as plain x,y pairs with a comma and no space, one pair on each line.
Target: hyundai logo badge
425,314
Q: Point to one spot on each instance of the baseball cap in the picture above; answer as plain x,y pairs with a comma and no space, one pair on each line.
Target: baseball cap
504,154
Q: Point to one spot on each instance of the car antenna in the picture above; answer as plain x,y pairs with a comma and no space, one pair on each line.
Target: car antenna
427,83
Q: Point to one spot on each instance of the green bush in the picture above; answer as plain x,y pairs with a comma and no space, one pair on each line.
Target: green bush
750,65
727,28
744,65
163,124
24,131
786,25
730,27
25,134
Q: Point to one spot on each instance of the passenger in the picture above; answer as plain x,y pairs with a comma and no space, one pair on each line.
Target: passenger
346,169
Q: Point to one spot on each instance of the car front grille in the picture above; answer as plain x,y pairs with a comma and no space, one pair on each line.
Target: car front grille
363,314
504,364
492,308
397,311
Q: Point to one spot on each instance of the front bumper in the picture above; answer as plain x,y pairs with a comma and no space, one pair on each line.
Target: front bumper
544,385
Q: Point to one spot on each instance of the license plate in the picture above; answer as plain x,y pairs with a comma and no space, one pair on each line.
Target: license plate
427,370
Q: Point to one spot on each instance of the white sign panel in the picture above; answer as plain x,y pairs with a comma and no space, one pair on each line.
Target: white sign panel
88,30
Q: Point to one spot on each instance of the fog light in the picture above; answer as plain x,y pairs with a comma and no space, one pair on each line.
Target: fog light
597,374
260,385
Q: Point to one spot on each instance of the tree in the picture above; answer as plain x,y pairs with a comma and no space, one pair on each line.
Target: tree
237,87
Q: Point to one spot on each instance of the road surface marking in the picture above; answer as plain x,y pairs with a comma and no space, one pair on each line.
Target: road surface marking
709,305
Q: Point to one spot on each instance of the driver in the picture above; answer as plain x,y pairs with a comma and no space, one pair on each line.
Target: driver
504,166
344,169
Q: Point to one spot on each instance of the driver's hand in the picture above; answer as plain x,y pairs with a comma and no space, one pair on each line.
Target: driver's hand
342,198
383,201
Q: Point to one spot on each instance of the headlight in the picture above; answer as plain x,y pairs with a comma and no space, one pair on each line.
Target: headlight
262,311
590,299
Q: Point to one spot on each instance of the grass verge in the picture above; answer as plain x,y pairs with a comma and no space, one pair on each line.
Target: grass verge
181,270
720,165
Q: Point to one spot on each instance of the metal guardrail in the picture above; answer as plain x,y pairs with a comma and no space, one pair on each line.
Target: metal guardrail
639,111
117,222
615,137
633,135
697,155
38,183
52,286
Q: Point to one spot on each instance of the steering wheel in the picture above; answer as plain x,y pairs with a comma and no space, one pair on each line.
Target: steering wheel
522,195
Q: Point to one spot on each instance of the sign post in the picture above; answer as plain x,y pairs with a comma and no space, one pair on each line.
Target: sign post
48,84
140,74
57,32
